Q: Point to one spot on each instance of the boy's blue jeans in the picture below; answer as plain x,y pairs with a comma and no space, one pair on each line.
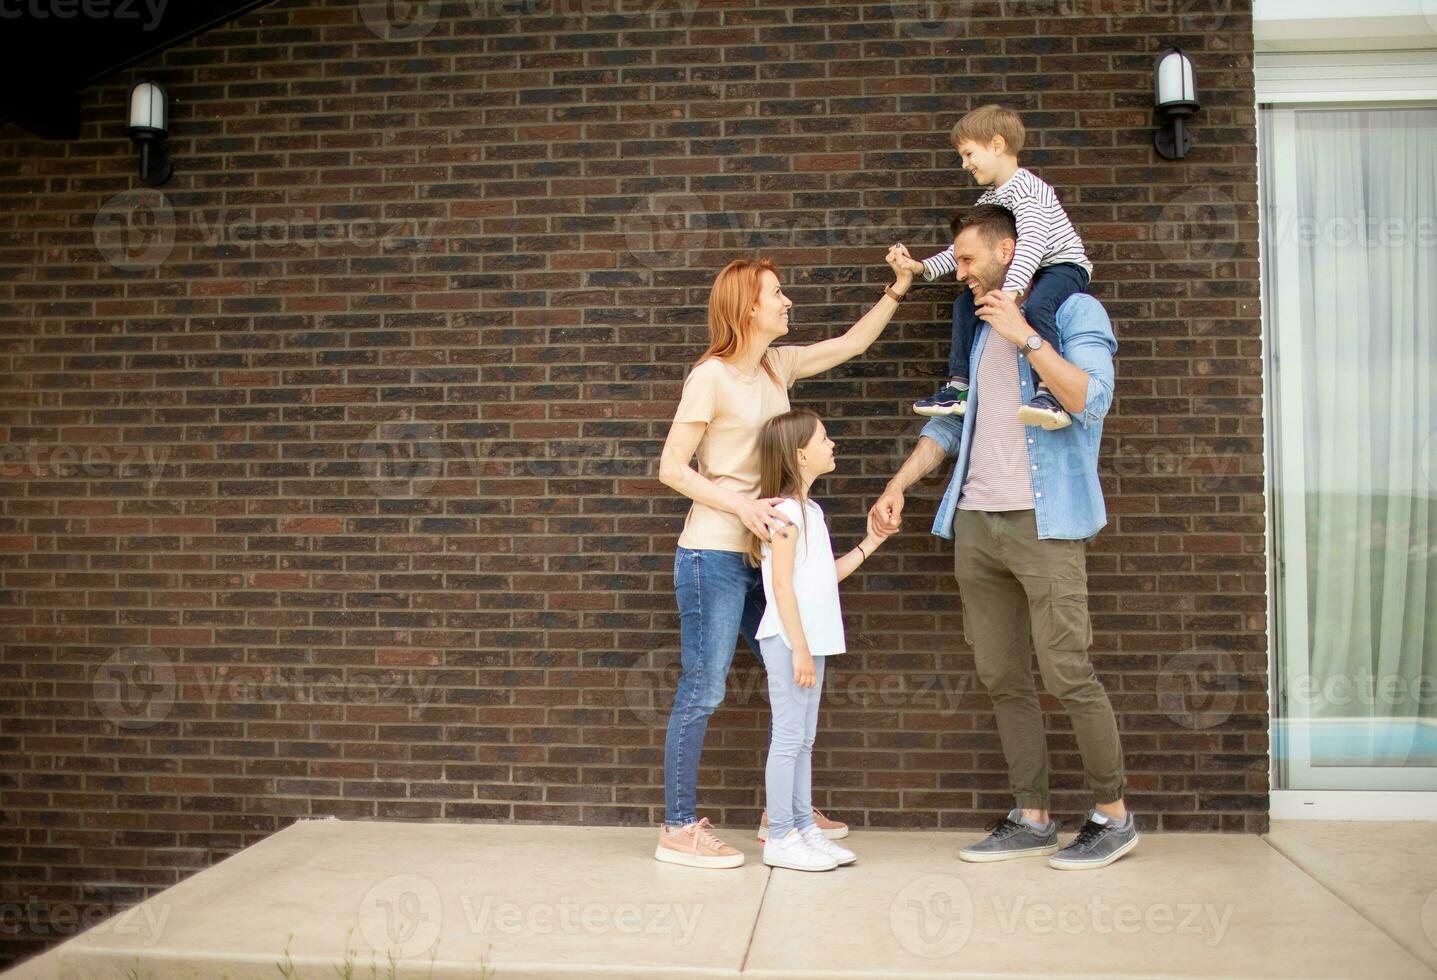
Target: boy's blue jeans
788,776
720,599
1051,286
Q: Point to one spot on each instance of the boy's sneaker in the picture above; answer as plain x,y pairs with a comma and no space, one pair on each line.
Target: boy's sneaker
694,845
1044,411
951,399
1012,837
1101,842
822,844
832,829
793,852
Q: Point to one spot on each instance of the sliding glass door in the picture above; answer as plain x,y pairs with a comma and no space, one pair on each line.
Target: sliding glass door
1349,224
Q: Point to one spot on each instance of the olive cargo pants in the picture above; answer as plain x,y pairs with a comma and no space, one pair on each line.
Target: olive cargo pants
1012,583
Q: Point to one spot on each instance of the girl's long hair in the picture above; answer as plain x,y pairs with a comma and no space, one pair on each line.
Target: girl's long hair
731,300
779,441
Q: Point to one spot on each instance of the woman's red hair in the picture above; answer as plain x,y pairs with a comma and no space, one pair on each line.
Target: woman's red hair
734,294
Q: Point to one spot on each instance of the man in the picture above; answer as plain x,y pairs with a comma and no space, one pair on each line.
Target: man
1021,506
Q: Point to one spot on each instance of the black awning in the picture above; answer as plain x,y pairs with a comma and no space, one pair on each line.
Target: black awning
51,49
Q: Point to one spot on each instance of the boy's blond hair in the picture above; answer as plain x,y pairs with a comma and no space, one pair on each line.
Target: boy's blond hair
985,122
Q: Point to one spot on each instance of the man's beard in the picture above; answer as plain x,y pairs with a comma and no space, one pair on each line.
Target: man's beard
982,281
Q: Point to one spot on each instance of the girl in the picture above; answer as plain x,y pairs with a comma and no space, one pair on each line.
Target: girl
802,626
738,384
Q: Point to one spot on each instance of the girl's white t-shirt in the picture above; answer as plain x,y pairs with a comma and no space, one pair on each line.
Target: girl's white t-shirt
815,584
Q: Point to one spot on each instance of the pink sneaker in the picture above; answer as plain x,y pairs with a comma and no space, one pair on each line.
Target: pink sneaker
694,845
832,829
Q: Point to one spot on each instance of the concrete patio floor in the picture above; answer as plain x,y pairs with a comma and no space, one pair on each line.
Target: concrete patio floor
506,901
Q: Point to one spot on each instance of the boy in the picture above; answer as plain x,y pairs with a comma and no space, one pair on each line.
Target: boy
1049,264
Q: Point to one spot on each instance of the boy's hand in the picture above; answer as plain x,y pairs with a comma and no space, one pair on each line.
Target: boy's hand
898,255
804,672
902,275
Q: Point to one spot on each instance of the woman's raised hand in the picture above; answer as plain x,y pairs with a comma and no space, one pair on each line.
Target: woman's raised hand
900,261
762,517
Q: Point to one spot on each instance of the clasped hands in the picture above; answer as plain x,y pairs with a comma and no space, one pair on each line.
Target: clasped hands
996,307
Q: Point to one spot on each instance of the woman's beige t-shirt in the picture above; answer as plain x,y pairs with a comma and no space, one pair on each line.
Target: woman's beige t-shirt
735,406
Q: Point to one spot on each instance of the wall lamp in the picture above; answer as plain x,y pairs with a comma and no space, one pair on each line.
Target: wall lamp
1175,98
147,130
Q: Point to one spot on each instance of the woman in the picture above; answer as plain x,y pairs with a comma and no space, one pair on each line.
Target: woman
735,387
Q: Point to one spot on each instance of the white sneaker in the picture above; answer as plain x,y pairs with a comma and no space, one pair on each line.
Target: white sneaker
819,842
795,853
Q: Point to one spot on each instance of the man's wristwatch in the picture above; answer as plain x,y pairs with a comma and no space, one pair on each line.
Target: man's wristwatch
1033,343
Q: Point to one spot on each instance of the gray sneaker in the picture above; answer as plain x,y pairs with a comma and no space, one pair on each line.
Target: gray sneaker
1101,842
1011,838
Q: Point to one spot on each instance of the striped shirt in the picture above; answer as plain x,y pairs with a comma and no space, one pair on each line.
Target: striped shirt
1045,235
999,477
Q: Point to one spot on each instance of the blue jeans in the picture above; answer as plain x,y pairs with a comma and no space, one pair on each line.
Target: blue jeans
720,598
1050,288
788,777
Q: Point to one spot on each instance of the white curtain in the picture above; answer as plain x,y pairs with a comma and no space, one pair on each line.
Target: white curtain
1367,225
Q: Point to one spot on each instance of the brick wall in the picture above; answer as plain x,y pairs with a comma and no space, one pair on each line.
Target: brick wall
330,483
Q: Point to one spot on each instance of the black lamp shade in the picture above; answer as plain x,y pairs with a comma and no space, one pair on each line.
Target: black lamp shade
147,109
1174,87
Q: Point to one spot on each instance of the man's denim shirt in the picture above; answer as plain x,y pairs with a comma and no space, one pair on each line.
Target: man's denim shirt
1067,498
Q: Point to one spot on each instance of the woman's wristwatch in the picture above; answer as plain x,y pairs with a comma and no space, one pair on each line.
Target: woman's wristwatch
896,297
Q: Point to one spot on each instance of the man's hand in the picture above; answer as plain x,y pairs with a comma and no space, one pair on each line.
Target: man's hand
885,517
1067,381
1000,310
